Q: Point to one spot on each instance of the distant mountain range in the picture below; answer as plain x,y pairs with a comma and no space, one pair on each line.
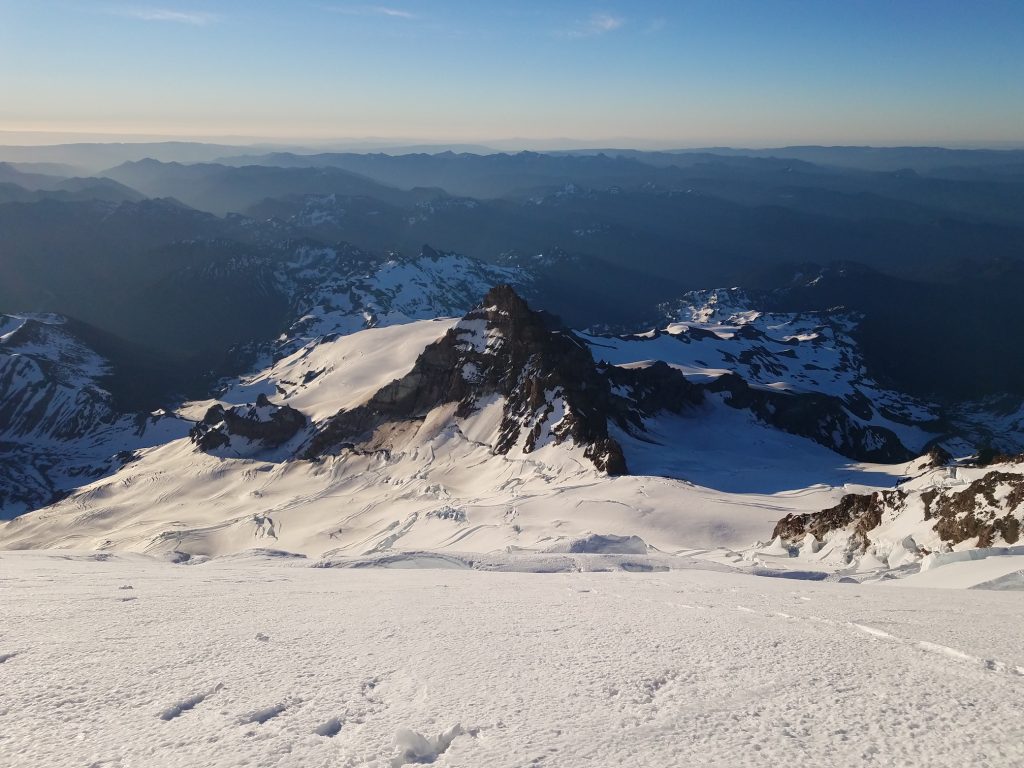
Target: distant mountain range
609,237
296,315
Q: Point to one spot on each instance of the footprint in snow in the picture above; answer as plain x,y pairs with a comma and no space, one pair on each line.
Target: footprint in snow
183,706
260,716
329,729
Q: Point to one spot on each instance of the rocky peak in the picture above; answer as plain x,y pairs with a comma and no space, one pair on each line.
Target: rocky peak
263,425
545,374
553,391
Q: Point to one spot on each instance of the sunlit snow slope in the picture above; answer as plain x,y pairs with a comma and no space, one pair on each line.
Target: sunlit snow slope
442,486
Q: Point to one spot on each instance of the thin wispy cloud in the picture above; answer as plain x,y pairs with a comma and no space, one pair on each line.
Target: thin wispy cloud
371,10
597,24
656,25
194,18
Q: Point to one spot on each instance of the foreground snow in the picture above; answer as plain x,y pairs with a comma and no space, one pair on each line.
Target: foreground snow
124,660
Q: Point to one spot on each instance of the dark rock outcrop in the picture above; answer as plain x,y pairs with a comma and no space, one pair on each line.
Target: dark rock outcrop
961,513
649,390
861,511
265,423
976,512
938,456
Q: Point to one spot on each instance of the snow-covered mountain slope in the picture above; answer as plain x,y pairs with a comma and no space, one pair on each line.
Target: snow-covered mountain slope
815,352
491,439
723,331
336,372
799,373
499,432
59,426
49,380
522,364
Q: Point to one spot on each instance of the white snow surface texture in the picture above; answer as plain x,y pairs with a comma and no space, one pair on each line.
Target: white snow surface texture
124,660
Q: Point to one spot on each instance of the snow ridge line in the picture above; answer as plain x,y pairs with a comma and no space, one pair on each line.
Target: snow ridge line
988,665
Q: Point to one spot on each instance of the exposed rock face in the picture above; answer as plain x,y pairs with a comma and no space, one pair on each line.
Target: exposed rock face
264,423
644,392
986,512
798,372
938,456
552,389
988,508
861,512
504,349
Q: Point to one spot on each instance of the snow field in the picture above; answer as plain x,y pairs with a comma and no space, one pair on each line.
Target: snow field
268,662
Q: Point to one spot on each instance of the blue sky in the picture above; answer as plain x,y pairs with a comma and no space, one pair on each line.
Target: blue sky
684,73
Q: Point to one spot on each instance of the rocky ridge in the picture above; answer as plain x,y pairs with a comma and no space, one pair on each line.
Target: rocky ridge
552,388
262,425
948,507
545,375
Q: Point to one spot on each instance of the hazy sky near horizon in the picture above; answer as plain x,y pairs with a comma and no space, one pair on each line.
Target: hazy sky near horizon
683,72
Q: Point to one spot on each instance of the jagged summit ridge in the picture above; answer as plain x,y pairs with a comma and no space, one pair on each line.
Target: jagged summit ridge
545,375
553,389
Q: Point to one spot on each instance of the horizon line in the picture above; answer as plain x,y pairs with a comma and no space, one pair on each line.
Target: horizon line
556,143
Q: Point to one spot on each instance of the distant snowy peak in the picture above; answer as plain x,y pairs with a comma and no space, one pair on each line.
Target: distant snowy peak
49,380
341,292
59,425
817,351
798,372
728,306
